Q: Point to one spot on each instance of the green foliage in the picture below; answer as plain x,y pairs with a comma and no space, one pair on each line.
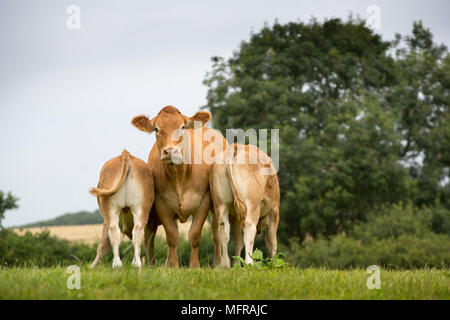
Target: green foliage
396,236
363,121
7,202
440,220
405,252
392,221
420,100
70,219
40,250
43,250
259,262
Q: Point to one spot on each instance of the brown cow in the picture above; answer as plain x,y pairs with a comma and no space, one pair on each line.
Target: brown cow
180,162
125,195
247,193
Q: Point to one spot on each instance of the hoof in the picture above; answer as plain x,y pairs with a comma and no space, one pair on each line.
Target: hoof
117,264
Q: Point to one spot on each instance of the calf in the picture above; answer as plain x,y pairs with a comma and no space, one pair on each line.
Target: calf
247,194
125,195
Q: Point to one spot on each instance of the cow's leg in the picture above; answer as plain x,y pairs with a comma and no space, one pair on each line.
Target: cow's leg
103,247
140,219
150,233
271,235
237,238
195,231
114,235
251,220
224,227
170,226
216,238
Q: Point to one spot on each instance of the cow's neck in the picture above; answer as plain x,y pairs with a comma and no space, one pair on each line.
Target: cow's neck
177,175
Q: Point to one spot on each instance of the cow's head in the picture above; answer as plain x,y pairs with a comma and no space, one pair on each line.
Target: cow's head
170,130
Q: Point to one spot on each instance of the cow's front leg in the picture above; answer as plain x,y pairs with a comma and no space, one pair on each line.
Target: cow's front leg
170,226
150,233
195,231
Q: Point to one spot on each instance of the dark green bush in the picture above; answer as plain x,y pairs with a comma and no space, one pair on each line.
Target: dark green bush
43,250
341,252
395,236
391,221
440,221
40,250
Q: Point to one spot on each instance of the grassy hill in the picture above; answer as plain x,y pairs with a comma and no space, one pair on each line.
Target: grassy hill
69,219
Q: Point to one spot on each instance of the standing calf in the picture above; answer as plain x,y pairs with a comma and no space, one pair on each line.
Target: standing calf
245,192
125,195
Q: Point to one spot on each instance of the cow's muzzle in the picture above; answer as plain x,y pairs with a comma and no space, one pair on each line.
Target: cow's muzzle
171,155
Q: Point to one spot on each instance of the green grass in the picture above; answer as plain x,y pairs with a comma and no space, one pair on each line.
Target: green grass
209,283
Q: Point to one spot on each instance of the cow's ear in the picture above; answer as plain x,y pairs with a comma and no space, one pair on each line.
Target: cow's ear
202,117
143,123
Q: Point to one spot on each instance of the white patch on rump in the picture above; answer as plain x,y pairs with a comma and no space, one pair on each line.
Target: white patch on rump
129,193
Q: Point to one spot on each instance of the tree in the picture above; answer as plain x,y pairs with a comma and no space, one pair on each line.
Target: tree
421,101
7,202
331,90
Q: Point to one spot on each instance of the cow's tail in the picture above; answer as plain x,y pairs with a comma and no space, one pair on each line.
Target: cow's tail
125,166
239,204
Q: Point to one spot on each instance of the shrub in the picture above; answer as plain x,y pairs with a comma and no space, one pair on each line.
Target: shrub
407,251
43,250
391,221
40,250
440,221
395,236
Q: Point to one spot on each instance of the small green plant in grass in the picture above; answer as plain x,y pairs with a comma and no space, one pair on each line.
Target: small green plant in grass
259,262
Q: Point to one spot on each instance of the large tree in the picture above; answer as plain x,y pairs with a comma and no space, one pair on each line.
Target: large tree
326,86
421,102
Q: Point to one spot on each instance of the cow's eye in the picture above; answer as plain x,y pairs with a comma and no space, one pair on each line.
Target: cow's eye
183,127
156,130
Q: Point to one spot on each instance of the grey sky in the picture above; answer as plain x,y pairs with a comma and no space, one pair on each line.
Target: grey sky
67,96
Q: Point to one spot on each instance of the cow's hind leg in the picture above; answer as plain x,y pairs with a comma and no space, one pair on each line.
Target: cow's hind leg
216,239
114,235
238,238
103,247
140,219
251,221
271,235
224,227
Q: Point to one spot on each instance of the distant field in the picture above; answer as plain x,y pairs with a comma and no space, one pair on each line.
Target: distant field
91,233
209,283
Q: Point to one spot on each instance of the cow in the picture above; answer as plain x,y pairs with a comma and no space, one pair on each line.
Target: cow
246,193
181,161
125,196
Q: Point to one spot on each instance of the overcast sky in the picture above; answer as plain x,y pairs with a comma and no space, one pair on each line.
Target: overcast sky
67,96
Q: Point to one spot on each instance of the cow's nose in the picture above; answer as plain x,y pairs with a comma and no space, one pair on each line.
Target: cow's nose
169,151
165,152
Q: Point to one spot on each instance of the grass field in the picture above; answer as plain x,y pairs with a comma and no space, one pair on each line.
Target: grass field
209,283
